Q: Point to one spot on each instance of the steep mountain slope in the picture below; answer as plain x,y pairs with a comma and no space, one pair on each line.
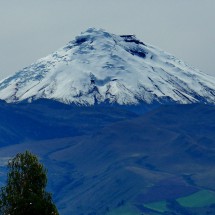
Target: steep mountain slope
101,67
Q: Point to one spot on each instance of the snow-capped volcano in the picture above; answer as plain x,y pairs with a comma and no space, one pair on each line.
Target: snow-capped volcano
101,67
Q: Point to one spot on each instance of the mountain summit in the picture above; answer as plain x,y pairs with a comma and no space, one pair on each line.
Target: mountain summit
100,67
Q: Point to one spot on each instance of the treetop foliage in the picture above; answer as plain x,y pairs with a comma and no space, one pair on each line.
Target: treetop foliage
24,193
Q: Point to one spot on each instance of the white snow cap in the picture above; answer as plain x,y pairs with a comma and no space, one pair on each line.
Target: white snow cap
100,67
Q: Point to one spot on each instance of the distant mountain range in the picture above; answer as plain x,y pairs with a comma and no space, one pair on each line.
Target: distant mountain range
100,67
122,127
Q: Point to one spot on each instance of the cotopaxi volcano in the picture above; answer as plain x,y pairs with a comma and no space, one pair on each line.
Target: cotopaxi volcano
100,67
82,110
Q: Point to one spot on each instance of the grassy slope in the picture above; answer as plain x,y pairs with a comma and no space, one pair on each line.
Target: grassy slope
158,206
123,158
200,199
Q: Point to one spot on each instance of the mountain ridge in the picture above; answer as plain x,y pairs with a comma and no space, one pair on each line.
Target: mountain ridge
99,67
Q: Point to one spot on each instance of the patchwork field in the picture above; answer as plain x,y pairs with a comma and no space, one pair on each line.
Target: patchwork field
203,200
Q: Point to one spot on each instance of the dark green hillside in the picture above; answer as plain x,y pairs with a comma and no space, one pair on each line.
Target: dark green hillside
156,163
46,119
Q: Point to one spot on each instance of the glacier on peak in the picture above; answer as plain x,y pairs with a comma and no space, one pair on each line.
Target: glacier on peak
98,67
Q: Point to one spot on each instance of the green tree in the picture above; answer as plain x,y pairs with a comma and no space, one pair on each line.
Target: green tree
24,193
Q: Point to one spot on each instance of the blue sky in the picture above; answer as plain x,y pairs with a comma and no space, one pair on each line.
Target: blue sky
32,29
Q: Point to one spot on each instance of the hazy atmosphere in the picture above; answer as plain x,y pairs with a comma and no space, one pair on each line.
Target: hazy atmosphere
32,29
